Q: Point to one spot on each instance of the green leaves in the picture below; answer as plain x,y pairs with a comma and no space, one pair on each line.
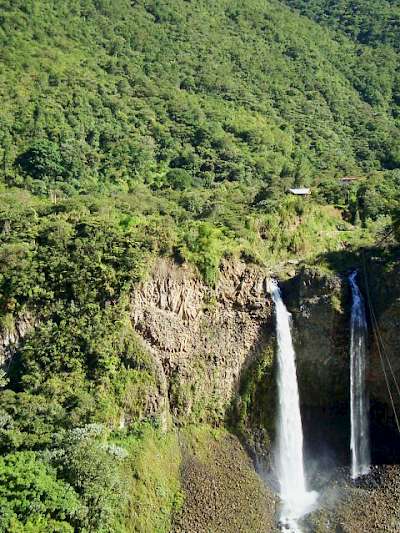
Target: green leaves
32,496
92,469
62,252
204,245
42,160
126,102
179,179
28,421
160,128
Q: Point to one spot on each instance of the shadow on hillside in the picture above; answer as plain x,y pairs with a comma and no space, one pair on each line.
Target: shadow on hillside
327,432
343,261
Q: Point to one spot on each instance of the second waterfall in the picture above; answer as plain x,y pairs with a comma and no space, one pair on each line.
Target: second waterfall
296,500
360,451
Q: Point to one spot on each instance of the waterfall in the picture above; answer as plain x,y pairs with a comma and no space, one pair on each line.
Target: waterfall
296,500
359,445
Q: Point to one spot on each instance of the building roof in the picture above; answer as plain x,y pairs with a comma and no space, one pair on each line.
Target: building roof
300,192
350,178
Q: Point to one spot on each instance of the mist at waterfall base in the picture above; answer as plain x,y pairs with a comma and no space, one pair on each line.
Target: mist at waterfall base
297,501
360,448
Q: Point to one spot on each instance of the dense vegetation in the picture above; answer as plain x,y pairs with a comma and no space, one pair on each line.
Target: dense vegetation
130,130
374,22
105,94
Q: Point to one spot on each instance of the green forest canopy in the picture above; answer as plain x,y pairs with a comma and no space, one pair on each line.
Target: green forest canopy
130,130
99,95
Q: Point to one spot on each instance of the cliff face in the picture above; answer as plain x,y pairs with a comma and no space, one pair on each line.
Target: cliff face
202,340
320,306
213,350
384,287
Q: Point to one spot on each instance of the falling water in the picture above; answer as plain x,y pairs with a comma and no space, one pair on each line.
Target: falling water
360,452
296,500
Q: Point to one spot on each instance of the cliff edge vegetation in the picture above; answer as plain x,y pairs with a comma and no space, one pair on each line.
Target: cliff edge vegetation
137,133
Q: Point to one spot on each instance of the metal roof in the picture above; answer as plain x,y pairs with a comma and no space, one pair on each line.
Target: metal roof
300,192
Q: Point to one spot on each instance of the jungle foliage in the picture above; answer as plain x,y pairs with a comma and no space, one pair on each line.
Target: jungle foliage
133,129
373,22
100,95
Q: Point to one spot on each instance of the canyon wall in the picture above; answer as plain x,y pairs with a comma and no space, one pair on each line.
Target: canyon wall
203,340
213,349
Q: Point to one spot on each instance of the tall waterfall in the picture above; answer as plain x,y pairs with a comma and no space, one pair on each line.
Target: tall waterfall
360,451
296,500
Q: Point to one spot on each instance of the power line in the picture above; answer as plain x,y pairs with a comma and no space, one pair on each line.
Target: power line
380,345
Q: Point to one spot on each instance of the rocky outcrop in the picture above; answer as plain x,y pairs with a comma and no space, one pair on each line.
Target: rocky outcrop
202,339
320,305
11,337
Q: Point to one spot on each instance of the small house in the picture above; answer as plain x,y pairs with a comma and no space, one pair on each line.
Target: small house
300,192
348,180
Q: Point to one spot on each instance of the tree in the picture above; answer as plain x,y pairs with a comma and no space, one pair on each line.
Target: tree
92,468
42,160
178,179
32,496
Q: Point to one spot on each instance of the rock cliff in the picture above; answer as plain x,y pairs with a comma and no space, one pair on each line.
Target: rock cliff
12,336
213,349
203,340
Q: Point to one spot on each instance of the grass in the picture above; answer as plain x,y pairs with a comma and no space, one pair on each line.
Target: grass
152,472
153,479
197,438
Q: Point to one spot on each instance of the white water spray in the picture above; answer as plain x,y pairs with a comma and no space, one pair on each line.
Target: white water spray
296,500
359,445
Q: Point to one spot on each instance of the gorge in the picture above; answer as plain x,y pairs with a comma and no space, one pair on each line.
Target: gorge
212,364
161,161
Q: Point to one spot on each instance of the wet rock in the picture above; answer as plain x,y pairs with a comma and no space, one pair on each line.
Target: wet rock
368,505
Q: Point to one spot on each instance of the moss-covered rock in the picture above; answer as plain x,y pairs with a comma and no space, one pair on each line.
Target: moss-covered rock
319,303
253,412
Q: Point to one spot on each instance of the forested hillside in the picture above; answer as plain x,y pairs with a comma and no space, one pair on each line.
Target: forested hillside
104,94
374,22
134,129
